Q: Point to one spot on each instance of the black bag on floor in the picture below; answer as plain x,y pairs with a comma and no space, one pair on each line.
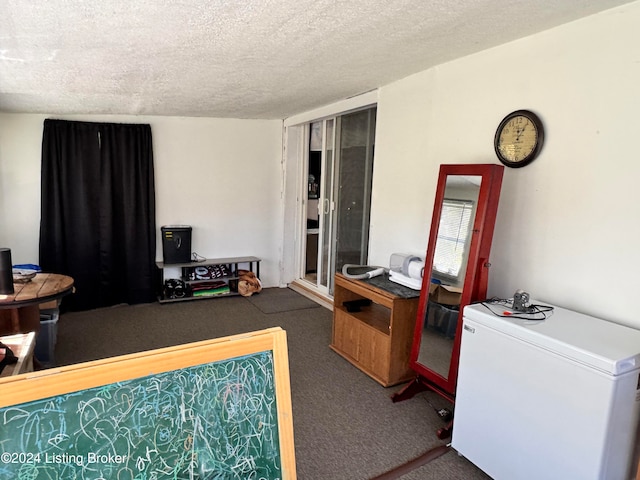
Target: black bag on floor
7,357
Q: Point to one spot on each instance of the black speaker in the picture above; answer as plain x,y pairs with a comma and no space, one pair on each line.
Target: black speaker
6,272
176,244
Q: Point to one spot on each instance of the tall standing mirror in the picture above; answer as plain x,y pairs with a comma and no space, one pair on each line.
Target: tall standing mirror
462,227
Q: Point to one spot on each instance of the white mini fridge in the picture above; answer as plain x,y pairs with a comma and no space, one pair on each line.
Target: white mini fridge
553,399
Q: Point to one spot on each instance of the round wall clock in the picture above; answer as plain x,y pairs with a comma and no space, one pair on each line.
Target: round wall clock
519,138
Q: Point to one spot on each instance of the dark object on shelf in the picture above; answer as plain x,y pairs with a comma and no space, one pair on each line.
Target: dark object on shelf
176,243
174,288
356,305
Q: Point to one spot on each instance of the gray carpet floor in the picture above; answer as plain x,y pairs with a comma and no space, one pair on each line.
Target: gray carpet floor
345,425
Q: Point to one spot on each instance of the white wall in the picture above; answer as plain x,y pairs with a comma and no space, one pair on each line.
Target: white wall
568,223
20,151
221,176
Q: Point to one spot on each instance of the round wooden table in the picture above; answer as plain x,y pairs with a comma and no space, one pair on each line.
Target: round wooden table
23,304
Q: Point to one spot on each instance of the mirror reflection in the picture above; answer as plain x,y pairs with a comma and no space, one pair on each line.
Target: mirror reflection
453,240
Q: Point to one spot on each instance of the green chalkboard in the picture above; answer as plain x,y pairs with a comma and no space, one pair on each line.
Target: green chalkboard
212,421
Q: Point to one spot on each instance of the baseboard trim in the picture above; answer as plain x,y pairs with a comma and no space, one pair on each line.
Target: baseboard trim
323,300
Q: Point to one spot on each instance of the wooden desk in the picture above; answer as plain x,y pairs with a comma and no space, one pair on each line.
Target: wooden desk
22,312
22,346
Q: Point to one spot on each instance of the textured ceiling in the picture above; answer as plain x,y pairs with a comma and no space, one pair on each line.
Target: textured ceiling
242,58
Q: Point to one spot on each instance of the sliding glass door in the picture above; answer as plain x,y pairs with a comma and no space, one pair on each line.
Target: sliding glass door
319,203
340,165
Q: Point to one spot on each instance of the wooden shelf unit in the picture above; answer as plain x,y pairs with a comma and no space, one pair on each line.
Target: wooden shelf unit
377,339
234,263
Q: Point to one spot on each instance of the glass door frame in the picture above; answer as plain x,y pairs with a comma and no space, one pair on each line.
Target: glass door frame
326,206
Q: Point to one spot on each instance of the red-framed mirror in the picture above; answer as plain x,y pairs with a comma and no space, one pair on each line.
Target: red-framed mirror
462,227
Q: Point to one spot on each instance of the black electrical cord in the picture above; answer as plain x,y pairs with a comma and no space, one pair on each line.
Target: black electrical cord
444,413
534,312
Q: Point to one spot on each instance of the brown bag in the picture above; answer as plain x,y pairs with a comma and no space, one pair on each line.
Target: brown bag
248,283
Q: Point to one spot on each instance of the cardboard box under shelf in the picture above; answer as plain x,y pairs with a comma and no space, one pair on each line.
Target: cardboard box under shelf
445,294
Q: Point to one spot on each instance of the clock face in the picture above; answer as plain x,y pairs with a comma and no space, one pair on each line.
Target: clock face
519,138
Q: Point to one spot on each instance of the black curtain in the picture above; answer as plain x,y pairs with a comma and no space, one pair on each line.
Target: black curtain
98,211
